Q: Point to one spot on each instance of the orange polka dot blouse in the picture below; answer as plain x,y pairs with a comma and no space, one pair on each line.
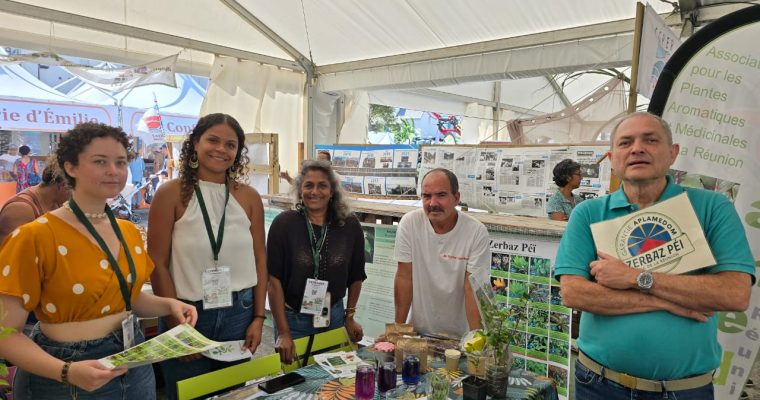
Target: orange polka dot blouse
63,276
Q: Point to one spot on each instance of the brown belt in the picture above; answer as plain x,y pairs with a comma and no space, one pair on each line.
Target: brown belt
646,385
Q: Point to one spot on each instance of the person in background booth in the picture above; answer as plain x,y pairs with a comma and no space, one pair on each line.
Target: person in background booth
437,249
643,334
24,168
319,244
137,167
206,236
567,175
322,155
81,271
31,203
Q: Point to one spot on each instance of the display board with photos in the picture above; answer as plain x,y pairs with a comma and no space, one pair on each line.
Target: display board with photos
376,170
516,179
519,264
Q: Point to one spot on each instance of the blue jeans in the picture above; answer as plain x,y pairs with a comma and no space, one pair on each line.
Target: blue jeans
220,324
136,198
138,383
302,324
591,386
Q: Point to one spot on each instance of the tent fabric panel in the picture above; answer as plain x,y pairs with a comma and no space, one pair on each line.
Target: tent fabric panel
262,98
204,20
613,51
392,27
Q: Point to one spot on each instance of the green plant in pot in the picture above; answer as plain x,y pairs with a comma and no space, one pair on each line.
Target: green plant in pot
499,323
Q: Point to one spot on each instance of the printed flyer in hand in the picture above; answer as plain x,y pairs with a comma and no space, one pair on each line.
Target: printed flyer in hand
182,340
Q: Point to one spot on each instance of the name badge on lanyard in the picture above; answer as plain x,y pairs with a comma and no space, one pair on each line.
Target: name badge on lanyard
216,281
314,296
217,288
128,330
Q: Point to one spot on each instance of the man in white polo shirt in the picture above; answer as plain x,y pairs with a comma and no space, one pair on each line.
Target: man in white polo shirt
437,249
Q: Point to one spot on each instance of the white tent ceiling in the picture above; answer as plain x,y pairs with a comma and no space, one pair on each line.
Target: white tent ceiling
423,47
339,31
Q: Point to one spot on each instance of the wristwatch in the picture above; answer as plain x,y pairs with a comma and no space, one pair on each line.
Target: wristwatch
645,280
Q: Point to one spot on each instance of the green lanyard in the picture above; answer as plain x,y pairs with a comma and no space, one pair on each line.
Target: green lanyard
216,244
316,243
123,286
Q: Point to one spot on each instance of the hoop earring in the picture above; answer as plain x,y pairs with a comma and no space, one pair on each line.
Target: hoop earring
232,174
193,163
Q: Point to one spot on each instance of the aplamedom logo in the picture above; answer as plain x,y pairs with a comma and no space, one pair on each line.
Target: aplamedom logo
653,242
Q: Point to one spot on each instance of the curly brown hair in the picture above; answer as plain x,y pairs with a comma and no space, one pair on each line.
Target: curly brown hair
188,176
73,142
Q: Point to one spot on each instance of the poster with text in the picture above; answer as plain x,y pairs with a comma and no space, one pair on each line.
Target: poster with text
708,94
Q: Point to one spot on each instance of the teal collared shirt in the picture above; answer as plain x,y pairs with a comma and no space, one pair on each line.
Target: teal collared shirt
654,345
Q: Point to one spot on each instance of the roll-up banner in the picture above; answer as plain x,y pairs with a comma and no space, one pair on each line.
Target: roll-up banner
708,92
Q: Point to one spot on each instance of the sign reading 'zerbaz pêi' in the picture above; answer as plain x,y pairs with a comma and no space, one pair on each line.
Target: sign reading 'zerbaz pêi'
666,237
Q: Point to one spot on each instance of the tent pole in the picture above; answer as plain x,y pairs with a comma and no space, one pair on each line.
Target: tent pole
633,90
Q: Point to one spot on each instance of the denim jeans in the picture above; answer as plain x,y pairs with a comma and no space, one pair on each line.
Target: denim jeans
302,324
137,383
136,198
591,386
220,324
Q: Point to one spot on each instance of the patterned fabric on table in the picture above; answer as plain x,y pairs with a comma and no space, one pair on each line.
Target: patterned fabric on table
523,385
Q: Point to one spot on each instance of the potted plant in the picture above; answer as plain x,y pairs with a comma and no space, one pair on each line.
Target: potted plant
491,343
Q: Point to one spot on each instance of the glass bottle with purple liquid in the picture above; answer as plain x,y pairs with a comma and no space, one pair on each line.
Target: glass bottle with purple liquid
410,370
365,382
386,377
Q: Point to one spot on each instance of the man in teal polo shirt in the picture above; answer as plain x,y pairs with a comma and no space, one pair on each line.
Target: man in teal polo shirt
650,335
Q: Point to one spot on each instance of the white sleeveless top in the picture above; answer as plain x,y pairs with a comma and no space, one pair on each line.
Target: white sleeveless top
191,250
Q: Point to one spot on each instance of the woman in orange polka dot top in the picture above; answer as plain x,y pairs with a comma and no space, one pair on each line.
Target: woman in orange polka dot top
61,267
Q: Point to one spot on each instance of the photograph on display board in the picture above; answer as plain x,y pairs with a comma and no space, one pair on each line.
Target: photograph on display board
346,158
408,158
429,157
368,159
590,170
374,185
722,186
538,318
397,186
488,156
352,184
540,267
385,159
559,322
519,265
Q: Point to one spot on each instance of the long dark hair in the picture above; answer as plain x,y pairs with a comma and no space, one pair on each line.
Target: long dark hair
236,174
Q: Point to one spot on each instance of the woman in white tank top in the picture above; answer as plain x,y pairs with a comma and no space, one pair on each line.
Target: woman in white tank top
206,237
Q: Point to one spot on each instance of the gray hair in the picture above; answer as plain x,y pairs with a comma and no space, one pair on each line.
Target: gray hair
662,122
338,205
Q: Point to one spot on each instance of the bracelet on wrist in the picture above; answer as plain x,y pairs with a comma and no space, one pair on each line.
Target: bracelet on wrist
260,316
65,373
